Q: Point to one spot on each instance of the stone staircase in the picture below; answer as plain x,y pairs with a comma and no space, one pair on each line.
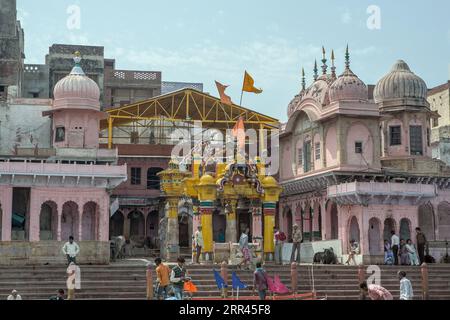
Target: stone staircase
126,280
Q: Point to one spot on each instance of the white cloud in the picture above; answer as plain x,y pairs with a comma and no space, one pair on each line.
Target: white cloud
346,17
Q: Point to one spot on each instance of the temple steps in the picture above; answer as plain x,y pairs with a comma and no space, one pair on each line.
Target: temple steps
126,280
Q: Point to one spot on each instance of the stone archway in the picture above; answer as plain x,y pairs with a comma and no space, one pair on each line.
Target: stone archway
405,229
137,225
48,221
426,221
444,221
152,228
116,224
374,234
334,222
389,225
69,221
353,230
89,221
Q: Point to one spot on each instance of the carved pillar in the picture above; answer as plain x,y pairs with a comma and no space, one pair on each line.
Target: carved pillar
269,223
35,214
231,231
59,208
80,220
126,224
257,225
172,236
206,211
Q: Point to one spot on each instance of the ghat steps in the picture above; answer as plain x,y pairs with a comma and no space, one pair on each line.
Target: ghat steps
127,280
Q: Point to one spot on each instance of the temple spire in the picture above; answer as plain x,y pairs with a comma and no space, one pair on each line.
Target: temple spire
347,59
324,62
315,70
303,80
333,67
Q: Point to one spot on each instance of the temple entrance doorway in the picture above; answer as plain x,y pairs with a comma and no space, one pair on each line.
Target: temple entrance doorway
219,226
244,220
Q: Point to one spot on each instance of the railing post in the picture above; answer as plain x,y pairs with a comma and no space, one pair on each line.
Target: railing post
424,271
224,274
294,278
361,275
149,282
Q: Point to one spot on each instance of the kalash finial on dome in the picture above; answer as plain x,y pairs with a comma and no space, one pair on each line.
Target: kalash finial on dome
77,70
303,80
316,75
324,61
333,67
347,59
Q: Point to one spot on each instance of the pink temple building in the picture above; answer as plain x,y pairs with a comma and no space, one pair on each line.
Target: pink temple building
55,181
355,166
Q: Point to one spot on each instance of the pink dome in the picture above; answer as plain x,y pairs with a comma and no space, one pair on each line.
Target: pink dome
348,87
76,90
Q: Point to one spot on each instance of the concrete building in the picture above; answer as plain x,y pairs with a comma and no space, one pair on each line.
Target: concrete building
439,99
11,50
55,180
356,169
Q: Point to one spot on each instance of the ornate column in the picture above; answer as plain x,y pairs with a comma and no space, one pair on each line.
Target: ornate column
172,236
270,198
80,220
230,210
257,223
207,195
172,187
269,223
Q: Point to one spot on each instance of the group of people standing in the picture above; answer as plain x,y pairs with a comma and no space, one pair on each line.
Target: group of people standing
172,283
398,251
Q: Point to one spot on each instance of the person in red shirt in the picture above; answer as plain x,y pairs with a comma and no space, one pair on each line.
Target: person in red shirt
374,292
278,238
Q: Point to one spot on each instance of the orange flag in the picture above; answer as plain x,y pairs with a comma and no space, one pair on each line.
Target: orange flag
223,97
249,84
239,133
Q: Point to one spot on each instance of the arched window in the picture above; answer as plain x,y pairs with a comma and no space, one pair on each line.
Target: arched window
153,179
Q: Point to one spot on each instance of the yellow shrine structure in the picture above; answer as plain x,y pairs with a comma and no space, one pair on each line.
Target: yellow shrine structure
224,187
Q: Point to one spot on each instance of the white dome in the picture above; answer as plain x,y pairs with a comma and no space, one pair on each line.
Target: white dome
400,84
348,87
76,90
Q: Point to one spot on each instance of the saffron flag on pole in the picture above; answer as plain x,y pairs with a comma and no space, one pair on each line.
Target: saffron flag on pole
223,97
249,84
239,133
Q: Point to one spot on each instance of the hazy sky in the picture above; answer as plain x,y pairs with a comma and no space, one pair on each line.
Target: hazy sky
207,40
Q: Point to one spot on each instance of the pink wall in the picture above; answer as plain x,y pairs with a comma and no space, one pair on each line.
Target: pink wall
359,133
331,147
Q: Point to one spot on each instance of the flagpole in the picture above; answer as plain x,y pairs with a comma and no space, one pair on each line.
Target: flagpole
242,94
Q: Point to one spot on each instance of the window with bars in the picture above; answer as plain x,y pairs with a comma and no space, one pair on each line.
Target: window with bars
395,135
415,140
317,150
358,147
300,157
308,156
135,176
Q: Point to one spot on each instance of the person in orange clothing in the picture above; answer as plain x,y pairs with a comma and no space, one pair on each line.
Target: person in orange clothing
163,278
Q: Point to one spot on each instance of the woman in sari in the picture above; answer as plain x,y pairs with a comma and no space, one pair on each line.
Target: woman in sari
412,253
388,255
243,245
404,254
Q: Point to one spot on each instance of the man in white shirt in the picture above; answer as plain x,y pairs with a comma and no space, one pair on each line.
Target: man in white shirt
71,250
395,242
198,243
14,296
406,290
